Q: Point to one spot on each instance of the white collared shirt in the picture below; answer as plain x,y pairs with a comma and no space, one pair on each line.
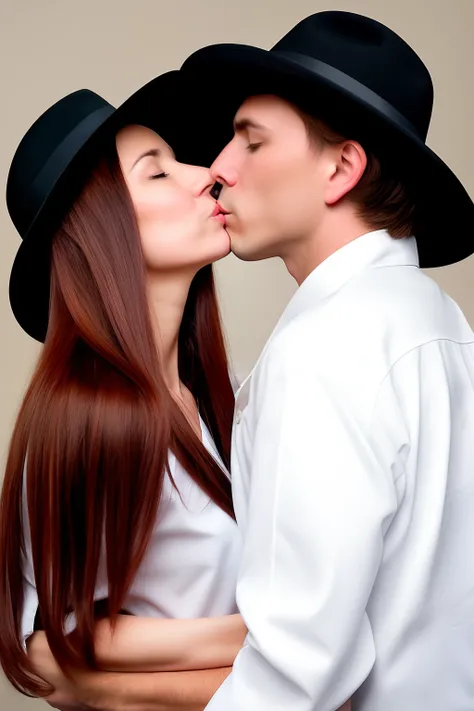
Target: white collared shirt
353,483
190,566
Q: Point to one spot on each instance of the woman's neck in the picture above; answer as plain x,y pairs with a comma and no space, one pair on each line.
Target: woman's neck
167,296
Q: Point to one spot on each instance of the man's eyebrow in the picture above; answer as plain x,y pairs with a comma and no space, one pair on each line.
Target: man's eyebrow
243,124
153,152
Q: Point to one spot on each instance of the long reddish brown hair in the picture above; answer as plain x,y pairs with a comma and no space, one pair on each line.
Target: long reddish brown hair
96,425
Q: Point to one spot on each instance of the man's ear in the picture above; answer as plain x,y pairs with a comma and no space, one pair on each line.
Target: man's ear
347,167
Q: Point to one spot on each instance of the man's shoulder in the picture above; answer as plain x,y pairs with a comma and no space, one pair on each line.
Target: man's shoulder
370,324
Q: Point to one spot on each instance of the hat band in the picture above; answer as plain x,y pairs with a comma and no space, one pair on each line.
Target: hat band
354,87
66,151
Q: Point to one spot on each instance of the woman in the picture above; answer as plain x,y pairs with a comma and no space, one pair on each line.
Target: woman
116,495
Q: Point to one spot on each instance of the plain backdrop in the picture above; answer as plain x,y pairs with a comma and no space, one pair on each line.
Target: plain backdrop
51,47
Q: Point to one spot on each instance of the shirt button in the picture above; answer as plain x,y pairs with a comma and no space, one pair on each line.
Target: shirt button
238,416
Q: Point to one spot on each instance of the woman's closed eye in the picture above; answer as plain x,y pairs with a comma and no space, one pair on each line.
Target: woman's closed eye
252,147
159,175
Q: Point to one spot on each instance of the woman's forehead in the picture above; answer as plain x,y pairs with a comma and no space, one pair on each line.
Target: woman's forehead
134,140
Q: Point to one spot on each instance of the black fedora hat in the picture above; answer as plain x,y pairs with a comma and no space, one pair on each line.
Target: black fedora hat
52,163
369,84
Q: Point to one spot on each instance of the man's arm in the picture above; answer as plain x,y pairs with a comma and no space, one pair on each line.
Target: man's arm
319,503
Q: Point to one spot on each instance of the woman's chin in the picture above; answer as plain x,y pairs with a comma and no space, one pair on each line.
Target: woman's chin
212,246
221,254
220,245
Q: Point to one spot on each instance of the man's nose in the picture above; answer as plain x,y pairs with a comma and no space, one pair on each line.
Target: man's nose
223,171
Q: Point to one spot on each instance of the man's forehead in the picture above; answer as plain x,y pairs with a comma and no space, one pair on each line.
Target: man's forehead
257,111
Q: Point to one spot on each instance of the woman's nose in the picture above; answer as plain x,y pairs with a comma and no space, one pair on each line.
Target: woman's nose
201,180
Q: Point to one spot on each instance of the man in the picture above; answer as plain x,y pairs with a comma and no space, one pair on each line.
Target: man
353,449
353,446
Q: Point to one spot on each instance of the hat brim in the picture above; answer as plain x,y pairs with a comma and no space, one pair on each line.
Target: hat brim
445,234
165,105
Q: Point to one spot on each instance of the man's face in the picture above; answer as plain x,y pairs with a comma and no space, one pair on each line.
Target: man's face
273,180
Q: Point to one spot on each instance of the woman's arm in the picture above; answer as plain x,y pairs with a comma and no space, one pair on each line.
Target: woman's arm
119,691
158,691
142,644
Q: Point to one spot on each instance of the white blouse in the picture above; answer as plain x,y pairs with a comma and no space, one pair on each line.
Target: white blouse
190,567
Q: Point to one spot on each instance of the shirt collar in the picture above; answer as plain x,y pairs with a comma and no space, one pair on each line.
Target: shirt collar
374,249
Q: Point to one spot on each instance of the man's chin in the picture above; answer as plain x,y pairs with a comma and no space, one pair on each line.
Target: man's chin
244,257
247,252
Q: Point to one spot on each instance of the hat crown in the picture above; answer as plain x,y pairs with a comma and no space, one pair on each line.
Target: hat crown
47,148
370,53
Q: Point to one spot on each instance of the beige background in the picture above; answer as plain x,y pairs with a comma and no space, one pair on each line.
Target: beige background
51,47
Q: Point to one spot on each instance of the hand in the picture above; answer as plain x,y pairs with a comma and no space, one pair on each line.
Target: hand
78,692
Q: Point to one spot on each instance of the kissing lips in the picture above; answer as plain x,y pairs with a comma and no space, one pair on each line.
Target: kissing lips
219,214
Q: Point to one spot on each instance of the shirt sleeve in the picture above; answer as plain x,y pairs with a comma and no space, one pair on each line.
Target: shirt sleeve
320,500
30,596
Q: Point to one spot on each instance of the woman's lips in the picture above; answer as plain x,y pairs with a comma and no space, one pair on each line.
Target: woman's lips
219,214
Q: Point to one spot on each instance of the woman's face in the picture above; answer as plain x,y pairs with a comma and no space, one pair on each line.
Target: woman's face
172,203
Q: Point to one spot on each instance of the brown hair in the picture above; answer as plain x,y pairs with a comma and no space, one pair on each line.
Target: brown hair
382,197
97,423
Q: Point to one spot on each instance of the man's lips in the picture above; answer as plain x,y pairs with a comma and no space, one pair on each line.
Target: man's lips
222,210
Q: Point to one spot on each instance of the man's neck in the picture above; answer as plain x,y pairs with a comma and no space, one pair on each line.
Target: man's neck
302,257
